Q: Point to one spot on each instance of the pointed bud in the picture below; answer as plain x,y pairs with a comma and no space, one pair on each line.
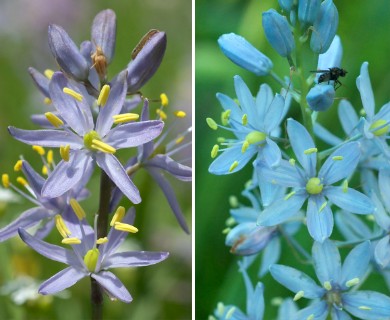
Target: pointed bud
103,33
308,11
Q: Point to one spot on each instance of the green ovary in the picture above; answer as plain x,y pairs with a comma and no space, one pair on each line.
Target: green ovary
381,123
91,259
314,186
89,137
255,137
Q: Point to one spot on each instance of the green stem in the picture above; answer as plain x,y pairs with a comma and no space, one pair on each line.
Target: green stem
97,300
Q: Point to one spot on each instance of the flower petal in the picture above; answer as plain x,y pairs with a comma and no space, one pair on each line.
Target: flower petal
377,305
133,259
112,285
176,169
352,200
274,115
317,310
319,219
247,102
62,280
382,252
271,153
363,84
35,181
348,117
103,32
327,262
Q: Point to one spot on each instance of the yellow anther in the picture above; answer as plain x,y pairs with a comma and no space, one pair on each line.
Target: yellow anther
214,151
164,99
18,165
362,112
221,139
22,181
45,171
211,123
5,180
118,215
323,206
54,120
73,94
180,114
225,117
365,308
102,240
47,101
327,285
125,117
125,227
255,137
226,230
299,295
352,282
233,201
380,127
64,152
337,158
48,73
103,96
179,139
233,166
310,151
345,186
292,161
71,241
103,147
162,114
91,258
78,210
61,227
310,317
38,149
244,119
220,309
50,156
229,314
289,195
245,146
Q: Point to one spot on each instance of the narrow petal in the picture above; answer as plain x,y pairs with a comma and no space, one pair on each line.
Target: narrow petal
48,250
335,170
134,259
382,252
47,138
228,103
112,285
61,281
118,175
377,305
356,263
382,218
347,115
26,220
351,226
271,255
327,262
35,181
133,134
67,174
264,99
171,197
247,102
271,153
40,81
296,281
317,310
285,174
300,141
352,200
384,112
384,187
363,84
273,117
319,219
256,307
103,32
176,169
326,135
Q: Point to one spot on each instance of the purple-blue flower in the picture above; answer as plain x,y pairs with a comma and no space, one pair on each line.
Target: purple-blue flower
335,296
83,142
91,256
315,187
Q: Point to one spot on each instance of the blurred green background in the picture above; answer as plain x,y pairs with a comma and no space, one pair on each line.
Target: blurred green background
162,291
363,27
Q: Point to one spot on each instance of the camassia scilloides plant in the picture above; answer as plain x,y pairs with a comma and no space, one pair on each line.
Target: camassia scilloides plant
91,117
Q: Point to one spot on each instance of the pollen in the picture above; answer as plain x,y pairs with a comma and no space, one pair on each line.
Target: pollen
310,151
73,94
352,282
327,285
48,73
164,99
214,151
211,123
125,227
64,152
5,180
22,181
54,120
18,165
125,117
299,295
39,150
61,226
102,240
337,158
78,210
162,114
233,166
103,96
180,114
118,215
73,240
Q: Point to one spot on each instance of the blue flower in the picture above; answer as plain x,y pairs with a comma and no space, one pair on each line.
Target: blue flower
335,296
308,11
89,259
82,142
315,187
252,122
320,97
244,54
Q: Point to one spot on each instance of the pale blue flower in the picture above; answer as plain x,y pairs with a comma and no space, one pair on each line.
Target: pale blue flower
315,187
321,97
335,296
308,11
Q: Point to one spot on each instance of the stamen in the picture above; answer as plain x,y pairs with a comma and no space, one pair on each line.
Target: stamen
54,120
299,295
211,123
179,139
78,210
48,73
337,158
73,93
292,161
245,146
18,165
125,227
103,96
38,149
244,119
22,181
71,241
352,282
61,227
289,195
118,215
102,240
229,314
310,151
162,114
327,285
125,117
164,99
103,147
180,114
323,206
226,230
345,186
225,116
64,152
365,308
214,151
311,317
47,101
5,180
233,166
50,156
45,170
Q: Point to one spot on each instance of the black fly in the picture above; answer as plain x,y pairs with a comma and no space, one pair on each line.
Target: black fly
332,74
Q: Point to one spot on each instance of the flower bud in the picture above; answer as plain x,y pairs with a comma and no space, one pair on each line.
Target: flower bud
103,33
321,97
67,54
242,53
308,11
147,57
278,33
325,27
40,81
286,4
